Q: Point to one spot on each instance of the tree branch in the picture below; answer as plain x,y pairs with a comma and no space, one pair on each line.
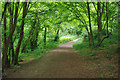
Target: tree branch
102,10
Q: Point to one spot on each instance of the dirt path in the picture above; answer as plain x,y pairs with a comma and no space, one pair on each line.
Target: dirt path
62,62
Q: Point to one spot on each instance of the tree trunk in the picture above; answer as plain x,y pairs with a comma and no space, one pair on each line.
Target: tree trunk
107,17
5,7
91,35
11,48
5,55
57,35
107,26
32,40
37,32
5,49
21,34
45,36
36,39
99,22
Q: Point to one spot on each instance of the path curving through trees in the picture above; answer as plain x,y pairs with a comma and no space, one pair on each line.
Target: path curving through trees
62,62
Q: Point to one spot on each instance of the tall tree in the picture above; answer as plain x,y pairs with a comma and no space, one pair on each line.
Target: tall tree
99,21
91,34
5,49
45,36
107,26
25,8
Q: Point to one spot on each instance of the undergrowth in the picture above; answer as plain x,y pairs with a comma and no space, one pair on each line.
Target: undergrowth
109,44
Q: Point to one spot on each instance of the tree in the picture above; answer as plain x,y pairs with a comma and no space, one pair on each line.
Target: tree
25,8
91,34
5,49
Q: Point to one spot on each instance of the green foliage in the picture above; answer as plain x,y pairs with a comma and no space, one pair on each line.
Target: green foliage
92,54
15,67
20,57
108,56
70,19
4,75
101,76
113,39
111,75
119,61
83,46
111,66
118,50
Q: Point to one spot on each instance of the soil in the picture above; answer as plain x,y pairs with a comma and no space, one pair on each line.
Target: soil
66,62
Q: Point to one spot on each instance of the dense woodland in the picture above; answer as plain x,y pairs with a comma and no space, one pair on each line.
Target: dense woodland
38,26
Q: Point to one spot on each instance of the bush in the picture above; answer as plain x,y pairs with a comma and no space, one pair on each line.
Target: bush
82,45
20,57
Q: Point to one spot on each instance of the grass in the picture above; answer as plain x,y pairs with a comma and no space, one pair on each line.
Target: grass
110,44
101,76
15,68
42,49
4,75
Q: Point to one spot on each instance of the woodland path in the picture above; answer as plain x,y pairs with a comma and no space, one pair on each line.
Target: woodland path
61,62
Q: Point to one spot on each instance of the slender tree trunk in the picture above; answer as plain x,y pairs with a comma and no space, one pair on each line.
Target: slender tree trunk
57,35
36,39
32,40
99,22
37,32
107,18
11,49
107,26
91,35
5,49
111,27
57,31
21,34
45,36
5,55
5,7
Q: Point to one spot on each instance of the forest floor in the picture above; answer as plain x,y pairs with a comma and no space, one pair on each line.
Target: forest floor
66,62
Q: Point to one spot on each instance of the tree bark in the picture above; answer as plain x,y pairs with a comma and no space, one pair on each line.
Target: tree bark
11,48
32,40
107,26
5,55
57,35
5,50
99,22
4,11
91,34
21,33
45,36
107,18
